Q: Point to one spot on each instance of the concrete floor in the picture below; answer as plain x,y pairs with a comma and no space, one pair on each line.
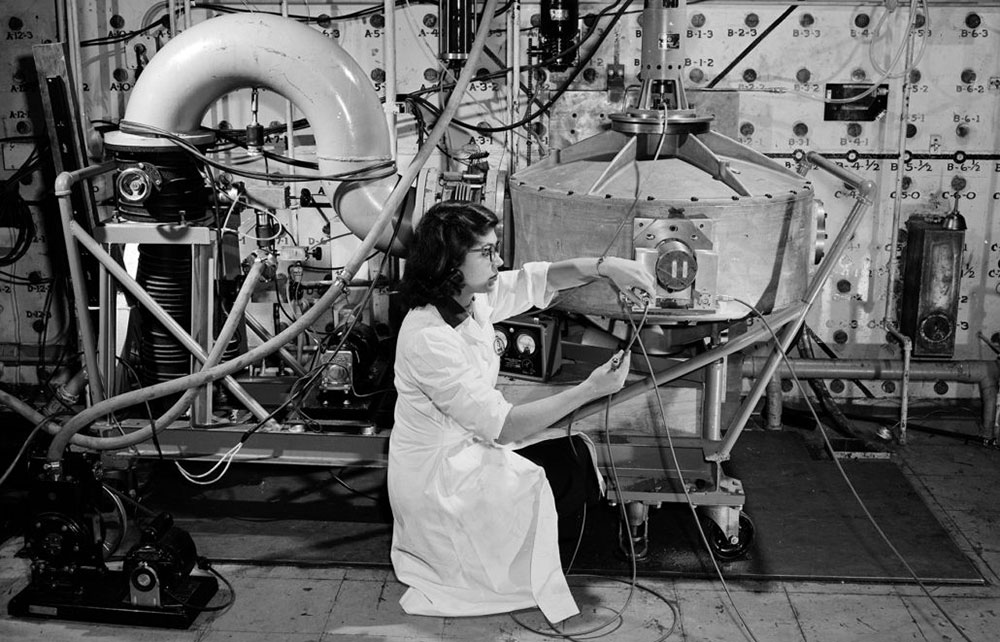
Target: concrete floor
958,481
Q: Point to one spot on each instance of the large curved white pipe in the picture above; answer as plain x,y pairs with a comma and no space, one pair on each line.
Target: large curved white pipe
237,51
395,201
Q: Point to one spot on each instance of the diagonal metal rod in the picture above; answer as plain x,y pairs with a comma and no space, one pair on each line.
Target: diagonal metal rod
676,371
171,325
85,330
865,190
257,328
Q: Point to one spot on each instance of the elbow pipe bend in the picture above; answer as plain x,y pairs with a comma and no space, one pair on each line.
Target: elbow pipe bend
359,204
394,202
323,81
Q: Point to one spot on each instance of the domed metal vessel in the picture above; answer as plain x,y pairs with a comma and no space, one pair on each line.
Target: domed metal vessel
712,219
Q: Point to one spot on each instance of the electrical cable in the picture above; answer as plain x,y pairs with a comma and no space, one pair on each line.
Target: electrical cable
205,565
843,474
627,216
372,10
557,94
753,45
27,440
131,501
882,77
125,37
200,478
616,615
833,355
299,391
69,432
374,171
538,65
687,496
149,409
15,208
108,548
305,382
840,422
876,32
337,478
617,618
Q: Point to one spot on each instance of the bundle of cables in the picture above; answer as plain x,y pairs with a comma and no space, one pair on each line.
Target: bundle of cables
15,214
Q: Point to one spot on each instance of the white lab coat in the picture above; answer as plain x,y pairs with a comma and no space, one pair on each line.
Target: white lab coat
475,526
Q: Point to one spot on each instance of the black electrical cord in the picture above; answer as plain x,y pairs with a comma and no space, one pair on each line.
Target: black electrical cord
847,480
35,430
205,565
149,409
370,172
557,94
543,63
46,310
753,45
238,140
840,423
833,355
745,627
125,37
304,383
15,213
372,10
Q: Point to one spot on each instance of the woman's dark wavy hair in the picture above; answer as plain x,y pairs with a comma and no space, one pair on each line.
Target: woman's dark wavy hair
438,248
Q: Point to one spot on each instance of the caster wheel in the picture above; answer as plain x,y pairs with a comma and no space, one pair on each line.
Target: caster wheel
722,547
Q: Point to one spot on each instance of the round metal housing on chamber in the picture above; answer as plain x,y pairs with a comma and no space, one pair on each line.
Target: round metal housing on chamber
712,220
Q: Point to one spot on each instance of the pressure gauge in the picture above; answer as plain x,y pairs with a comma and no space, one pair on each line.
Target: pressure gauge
525,343
499,341
936,327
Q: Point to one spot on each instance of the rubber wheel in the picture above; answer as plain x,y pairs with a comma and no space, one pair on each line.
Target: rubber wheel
721,547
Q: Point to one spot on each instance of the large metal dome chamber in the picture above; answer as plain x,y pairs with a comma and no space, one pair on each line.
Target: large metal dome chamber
710,217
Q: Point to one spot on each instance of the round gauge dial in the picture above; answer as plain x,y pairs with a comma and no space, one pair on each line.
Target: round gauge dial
936,327
499,341
525,343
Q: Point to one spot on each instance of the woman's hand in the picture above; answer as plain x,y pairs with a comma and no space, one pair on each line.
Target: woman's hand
609,378
631,278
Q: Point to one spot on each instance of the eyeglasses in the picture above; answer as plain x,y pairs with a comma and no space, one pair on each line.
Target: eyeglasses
490,251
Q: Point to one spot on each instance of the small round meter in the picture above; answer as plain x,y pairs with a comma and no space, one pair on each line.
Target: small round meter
499,341
525,343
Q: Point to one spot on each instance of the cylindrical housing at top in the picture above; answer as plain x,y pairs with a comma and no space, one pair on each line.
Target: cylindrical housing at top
458,29
662,39
560,26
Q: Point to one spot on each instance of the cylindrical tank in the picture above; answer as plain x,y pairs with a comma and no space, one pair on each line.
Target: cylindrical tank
593,198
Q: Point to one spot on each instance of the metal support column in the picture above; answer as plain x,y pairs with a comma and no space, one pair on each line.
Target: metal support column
715,392
202,322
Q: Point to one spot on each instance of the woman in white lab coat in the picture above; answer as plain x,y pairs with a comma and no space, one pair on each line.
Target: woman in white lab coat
475,523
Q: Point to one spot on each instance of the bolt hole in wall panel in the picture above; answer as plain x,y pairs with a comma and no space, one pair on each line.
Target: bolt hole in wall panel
33,321
768,101
951,138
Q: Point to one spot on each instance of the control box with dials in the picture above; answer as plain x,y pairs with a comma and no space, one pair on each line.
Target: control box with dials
528,346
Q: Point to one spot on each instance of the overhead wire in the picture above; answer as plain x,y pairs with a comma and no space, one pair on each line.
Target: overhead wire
559,91
836,460
299,390
875,84
745,627
616,619
37,428
376,170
